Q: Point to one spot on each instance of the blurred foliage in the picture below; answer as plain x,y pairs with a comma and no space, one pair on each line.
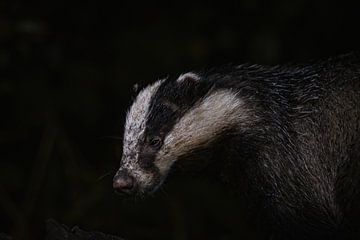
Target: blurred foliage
67,71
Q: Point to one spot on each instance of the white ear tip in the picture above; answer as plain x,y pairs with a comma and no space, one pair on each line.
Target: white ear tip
189,75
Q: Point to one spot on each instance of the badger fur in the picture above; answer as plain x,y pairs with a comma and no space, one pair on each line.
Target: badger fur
288,136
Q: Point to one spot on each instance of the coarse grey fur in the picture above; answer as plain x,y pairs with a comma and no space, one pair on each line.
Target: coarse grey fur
288,137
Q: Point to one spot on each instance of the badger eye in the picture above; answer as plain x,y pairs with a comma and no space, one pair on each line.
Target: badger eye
155,142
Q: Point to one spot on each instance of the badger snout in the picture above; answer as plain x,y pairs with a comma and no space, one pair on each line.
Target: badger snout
123,182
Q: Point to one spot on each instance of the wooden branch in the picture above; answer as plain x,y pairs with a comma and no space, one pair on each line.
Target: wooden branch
57,231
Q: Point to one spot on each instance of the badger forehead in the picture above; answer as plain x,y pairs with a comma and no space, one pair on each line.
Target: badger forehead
136,118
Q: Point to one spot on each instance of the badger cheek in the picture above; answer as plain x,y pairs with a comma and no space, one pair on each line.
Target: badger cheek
150,179
164,165
143,180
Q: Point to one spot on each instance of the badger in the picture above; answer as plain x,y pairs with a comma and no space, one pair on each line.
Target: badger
288,136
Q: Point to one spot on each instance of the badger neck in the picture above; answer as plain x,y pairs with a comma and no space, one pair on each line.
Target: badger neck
235,133
224,129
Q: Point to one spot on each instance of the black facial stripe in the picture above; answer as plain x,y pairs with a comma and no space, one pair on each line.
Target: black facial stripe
171,101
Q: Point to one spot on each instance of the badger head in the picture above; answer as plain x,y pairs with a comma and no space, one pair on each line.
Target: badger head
170,119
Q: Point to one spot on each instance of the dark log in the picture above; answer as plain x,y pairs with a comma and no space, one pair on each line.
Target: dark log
57,231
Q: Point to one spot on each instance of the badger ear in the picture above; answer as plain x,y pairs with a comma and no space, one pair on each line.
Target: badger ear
188,78
192,85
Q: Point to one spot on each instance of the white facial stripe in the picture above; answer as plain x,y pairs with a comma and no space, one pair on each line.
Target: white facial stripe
215,113
134,132
191,75
135,126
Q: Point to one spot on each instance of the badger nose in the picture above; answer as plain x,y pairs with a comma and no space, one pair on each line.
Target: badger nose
123,182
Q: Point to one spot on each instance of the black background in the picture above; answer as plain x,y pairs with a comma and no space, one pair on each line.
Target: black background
66,76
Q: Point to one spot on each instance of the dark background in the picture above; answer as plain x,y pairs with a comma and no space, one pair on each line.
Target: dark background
66,76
